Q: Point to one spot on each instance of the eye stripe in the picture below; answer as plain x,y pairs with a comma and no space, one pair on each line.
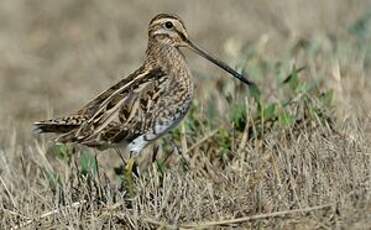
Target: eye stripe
181,35
161,22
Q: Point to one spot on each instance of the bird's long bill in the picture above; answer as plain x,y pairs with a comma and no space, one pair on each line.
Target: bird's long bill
219,63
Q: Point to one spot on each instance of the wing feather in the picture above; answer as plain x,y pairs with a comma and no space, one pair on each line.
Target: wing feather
124,115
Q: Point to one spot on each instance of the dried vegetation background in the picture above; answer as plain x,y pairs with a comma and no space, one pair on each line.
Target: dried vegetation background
300,145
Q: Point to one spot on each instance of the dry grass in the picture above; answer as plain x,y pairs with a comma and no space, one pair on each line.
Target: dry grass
313,173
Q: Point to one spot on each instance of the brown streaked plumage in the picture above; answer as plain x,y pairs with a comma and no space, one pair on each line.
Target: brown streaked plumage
144,105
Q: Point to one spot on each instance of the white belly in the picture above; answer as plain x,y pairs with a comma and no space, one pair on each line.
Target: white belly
137,145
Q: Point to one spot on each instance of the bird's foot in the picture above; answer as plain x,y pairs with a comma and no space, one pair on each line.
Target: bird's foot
132,168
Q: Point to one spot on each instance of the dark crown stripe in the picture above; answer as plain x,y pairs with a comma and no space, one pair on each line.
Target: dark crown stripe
165,16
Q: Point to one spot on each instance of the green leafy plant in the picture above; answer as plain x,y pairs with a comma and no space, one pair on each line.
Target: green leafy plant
88,164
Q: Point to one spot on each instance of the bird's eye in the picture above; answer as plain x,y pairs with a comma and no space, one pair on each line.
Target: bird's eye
169,25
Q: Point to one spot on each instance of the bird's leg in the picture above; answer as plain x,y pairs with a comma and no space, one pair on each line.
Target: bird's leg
120,170
155,151
131,165
128,177
96,161
178,150
175,148
117,150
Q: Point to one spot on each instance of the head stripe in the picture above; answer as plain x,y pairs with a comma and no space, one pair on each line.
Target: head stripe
166,16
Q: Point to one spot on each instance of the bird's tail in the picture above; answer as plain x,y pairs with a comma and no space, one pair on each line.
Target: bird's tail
58,125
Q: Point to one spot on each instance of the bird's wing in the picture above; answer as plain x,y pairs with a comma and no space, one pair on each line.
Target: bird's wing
68,124
96,103
125,113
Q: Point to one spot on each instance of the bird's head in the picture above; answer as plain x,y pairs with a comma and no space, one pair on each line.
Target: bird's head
167,29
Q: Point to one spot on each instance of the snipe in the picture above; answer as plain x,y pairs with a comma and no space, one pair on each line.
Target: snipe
144,105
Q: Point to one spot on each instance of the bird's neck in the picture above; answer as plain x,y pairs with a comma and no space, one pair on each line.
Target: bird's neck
167,57
172,62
